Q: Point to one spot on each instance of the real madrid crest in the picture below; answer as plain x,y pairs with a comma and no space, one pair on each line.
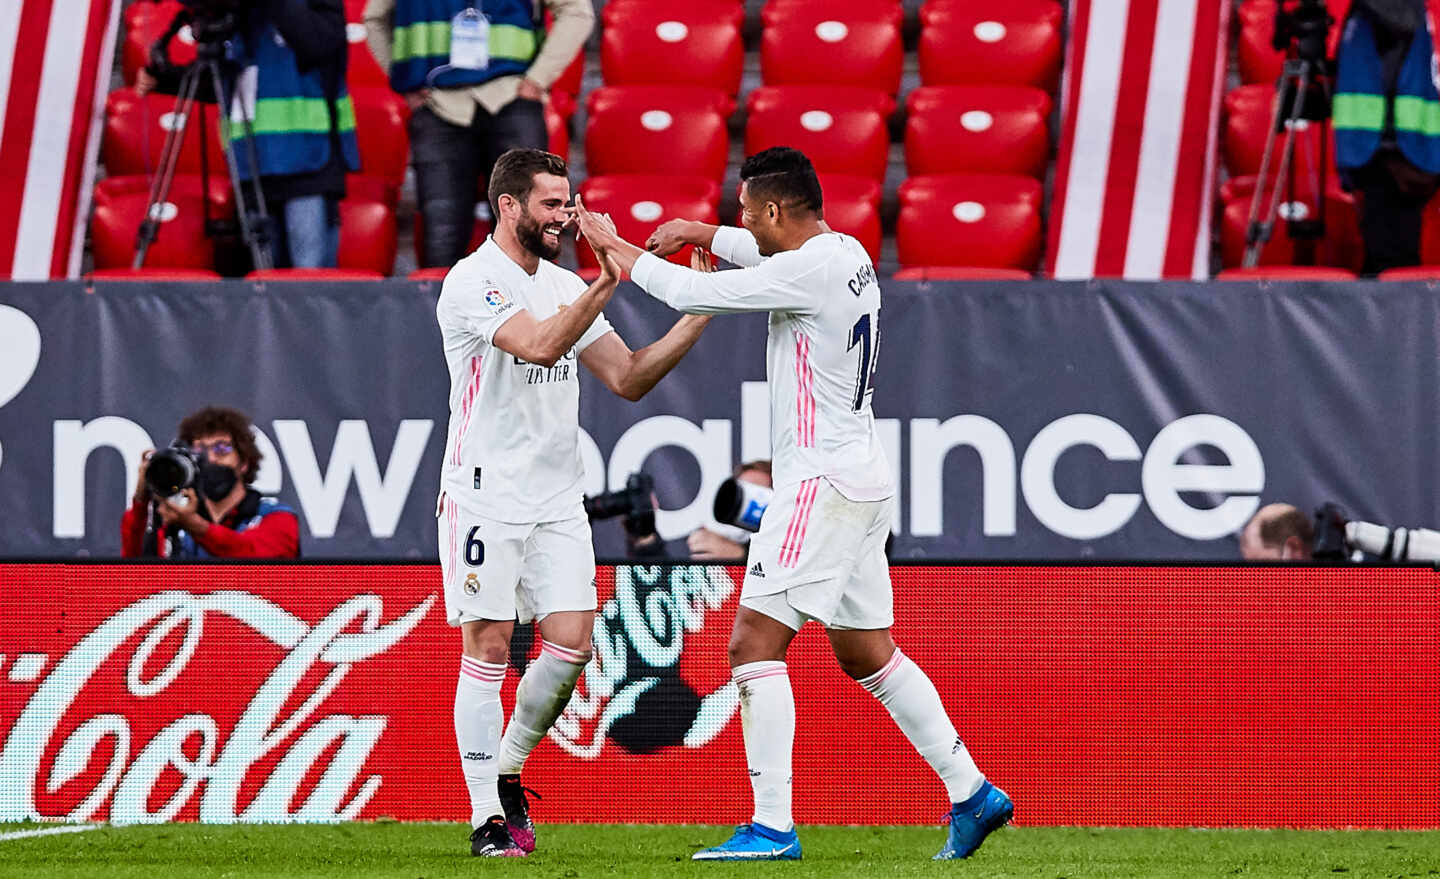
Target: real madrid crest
472,584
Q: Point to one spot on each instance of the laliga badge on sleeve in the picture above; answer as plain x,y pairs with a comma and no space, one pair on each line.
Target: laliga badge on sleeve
470,40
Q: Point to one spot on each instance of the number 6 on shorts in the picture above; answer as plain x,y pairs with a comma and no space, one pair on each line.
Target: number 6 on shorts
474,548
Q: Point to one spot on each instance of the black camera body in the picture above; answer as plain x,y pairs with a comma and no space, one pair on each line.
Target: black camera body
1306,27
632,500
213,21
172,470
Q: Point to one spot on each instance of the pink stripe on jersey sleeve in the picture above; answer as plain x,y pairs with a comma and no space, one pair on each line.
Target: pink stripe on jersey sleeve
467,404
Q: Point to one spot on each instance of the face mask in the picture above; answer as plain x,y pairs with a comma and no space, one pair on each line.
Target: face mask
216,481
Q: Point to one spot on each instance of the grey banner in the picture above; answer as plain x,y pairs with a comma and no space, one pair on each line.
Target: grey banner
1024,420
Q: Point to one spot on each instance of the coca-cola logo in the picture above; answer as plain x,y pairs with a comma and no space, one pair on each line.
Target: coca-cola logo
633,692
214,761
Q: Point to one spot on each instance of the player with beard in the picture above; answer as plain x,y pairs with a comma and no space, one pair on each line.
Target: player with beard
514,539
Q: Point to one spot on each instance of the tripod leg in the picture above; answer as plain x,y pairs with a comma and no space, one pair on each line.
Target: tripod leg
254,229
1258,230
160,184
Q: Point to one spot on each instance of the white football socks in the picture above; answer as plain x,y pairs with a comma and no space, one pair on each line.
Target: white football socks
907,693
767,716
478,719
543,693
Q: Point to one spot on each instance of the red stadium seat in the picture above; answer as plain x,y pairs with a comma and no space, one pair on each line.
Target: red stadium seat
363,187
818,43
153,274
382,132
1248,114
179,243
1430,233
1411,273
1341,245
843,129
436,274
977,129
652,129
558,131
959,273
135,130
969,220
852,206
1017,42
367,236
1286,273
313,275
222,201
362,70
1258,61
144,23
639,203
655,43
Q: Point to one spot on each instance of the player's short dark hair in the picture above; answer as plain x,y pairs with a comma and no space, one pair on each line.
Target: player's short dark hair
1275,530
514,174
219,419
783,175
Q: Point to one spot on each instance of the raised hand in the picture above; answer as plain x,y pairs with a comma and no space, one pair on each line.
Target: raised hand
668,237
700,260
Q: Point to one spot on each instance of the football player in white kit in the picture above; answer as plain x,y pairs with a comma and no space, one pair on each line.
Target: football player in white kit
514,539
820,552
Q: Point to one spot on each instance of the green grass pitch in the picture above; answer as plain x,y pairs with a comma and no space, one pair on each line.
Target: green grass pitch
172,851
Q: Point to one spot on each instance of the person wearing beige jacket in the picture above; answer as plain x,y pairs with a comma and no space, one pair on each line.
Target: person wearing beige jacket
472,98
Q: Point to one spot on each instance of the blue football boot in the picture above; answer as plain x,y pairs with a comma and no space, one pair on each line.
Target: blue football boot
754,842
987,810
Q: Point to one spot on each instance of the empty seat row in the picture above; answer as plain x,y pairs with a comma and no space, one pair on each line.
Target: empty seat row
849,43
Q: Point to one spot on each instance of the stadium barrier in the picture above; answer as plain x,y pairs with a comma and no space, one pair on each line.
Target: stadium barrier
1097,695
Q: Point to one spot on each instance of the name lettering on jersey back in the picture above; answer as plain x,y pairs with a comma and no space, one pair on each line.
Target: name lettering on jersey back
863,278
536,374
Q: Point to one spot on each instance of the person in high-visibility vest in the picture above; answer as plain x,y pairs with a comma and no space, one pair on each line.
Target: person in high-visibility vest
1386,118
476,74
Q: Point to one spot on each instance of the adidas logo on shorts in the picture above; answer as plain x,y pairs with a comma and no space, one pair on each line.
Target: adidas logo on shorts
757,571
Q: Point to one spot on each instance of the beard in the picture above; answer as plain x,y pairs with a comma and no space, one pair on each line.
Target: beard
531,237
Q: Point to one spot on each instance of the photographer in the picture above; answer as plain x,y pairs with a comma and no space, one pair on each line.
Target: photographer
1277,532
727,541
232,521
1386,149
289,60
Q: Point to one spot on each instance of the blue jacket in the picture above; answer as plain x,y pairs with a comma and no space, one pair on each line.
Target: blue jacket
422,42
1363,113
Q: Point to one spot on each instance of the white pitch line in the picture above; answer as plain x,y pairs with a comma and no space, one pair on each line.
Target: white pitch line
25,834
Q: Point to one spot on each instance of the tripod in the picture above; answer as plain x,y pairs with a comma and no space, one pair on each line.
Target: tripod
254,222
1302,96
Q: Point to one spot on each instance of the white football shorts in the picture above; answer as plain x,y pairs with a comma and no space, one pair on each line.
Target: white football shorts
502,571
821,556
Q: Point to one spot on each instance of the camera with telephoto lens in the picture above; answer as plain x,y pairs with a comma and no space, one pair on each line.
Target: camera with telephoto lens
741,503
1340,538
172,470
634,502
1306,25
213,20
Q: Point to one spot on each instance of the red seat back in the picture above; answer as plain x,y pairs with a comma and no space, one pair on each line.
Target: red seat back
645,129
645,42
819,43
639,203
852,206
367,236
1017,42
843,129
979,129
381,118
180,242
969,220
135,129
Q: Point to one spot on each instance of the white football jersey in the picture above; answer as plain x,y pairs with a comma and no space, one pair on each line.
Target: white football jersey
512,451
824,304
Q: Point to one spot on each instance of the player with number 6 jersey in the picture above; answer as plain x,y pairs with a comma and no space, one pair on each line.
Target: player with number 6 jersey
514,540
820,551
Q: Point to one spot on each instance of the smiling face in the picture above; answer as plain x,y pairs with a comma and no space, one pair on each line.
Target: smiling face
761,218
539,221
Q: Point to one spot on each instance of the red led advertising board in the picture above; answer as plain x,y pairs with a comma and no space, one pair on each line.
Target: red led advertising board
1105,695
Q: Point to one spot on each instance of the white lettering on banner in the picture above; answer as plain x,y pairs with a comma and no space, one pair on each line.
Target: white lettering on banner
1162,478
74,441
639,636
259,730
353,454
